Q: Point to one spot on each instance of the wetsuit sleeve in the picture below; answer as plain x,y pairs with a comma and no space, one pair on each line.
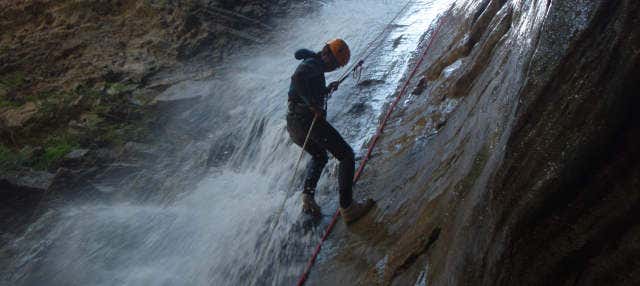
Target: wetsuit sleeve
303,82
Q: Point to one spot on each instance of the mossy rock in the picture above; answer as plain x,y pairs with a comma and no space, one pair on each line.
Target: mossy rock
56,147
10,159
120,88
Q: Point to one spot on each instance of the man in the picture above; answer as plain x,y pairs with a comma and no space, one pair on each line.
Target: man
307,97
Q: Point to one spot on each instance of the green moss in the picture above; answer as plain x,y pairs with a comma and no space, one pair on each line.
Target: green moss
102,117
51,155
120,88
93,121
141,99
54,150
47,157
12,159
111,135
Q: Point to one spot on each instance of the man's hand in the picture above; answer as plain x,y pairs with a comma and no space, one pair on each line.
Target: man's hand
333,86
317,112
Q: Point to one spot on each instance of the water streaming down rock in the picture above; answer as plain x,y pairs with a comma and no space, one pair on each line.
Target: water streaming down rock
215,233
514,161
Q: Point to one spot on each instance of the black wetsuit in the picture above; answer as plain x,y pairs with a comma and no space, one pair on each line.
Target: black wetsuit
308,88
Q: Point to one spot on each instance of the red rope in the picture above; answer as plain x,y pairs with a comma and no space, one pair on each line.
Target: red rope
305,274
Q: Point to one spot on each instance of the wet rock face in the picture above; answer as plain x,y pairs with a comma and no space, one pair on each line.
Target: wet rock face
519,148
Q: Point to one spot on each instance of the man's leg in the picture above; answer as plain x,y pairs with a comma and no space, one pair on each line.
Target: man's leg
314,168
298,129
327,137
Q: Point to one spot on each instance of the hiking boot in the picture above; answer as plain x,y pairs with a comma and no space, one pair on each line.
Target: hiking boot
356,210
309,205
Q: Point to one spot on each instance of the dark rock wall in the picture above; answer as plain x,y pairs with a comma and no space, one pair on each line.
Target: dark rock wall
532,178
566,198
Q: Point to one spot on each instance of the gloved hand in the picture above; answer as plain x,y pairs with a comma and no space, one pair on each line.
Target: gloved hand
317,112
333,86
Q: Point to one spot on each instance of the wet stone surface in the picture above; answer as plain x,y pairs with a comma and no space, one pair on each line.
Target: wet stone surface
496,149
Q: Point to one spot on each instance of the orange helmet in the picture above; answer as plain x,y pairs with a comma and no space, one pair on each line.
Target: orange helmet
340,51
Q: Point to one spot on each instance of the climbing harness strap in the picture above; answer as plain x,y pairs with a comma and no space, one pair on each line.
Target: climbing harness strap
336,215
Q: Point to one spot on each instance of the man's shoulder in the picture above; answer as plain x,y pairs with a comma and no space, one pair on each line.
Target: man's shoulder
310,66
